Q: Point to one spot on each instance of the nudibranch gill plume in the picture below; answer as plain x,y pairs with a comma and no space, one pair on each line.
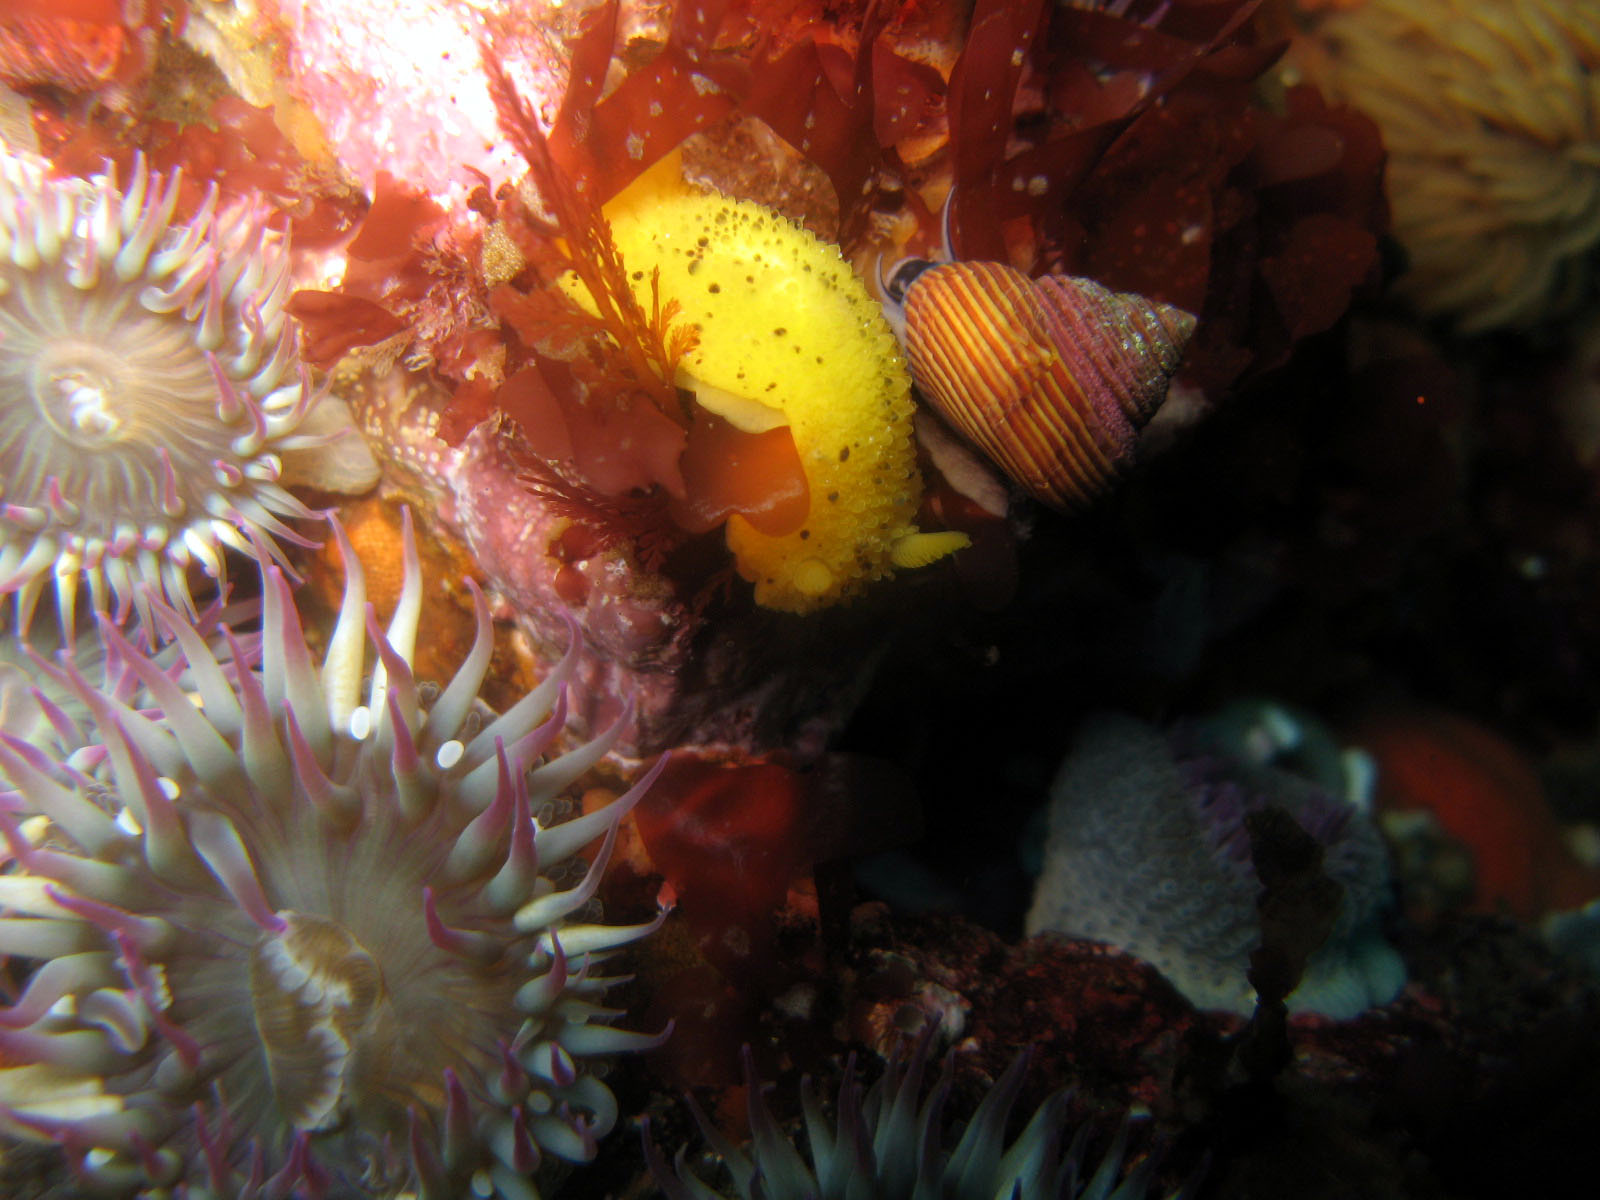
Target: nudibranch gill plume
788,336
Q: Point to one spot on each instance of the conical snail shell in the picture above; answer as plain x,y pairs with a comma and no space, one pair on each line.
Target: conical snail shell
1051,378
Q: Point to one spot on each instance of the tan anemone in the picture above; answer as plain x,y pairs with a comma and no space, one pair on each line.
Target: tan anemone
1490,110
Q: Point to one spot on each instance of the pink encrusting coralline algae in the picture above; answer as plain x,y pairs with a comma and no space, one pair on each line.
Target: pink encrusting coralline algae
631,622
641,639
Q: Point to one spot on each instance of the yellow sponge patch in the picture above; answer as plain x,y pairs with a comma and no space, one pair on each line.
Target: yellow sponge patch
788,334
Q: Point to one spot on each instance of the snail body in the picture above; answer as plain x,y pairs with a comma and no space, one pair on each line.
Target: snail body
1051,378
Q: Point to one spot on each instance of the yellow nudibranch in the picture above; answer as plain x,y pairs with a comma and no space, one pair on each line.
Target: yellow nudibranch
788,335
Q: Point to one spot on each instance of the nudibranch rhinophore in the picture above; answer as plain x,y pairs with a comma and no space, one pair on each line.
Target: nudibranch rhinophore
788,336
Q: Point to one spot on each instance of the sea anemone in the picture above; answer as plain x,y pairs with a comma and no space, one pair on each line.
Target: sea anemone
149,388
290,943
881,1145
30,698
1148,850
1491,117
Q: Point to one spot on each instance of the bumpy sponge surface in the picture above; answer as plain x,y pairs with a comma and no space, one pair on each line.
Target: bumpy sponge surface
1147,851
788,336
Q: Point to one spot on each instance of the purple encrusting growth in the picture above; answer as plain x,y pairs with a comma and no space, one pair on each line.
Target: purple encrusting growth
1148,851
293,941
1223,802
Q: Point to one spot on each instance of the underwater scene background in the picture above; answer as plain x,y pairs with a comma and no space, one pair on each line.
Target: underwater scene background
943,599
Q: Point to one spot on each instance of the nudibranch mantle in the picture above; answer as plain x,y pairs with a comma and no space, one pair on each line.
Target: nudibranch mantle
788,335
